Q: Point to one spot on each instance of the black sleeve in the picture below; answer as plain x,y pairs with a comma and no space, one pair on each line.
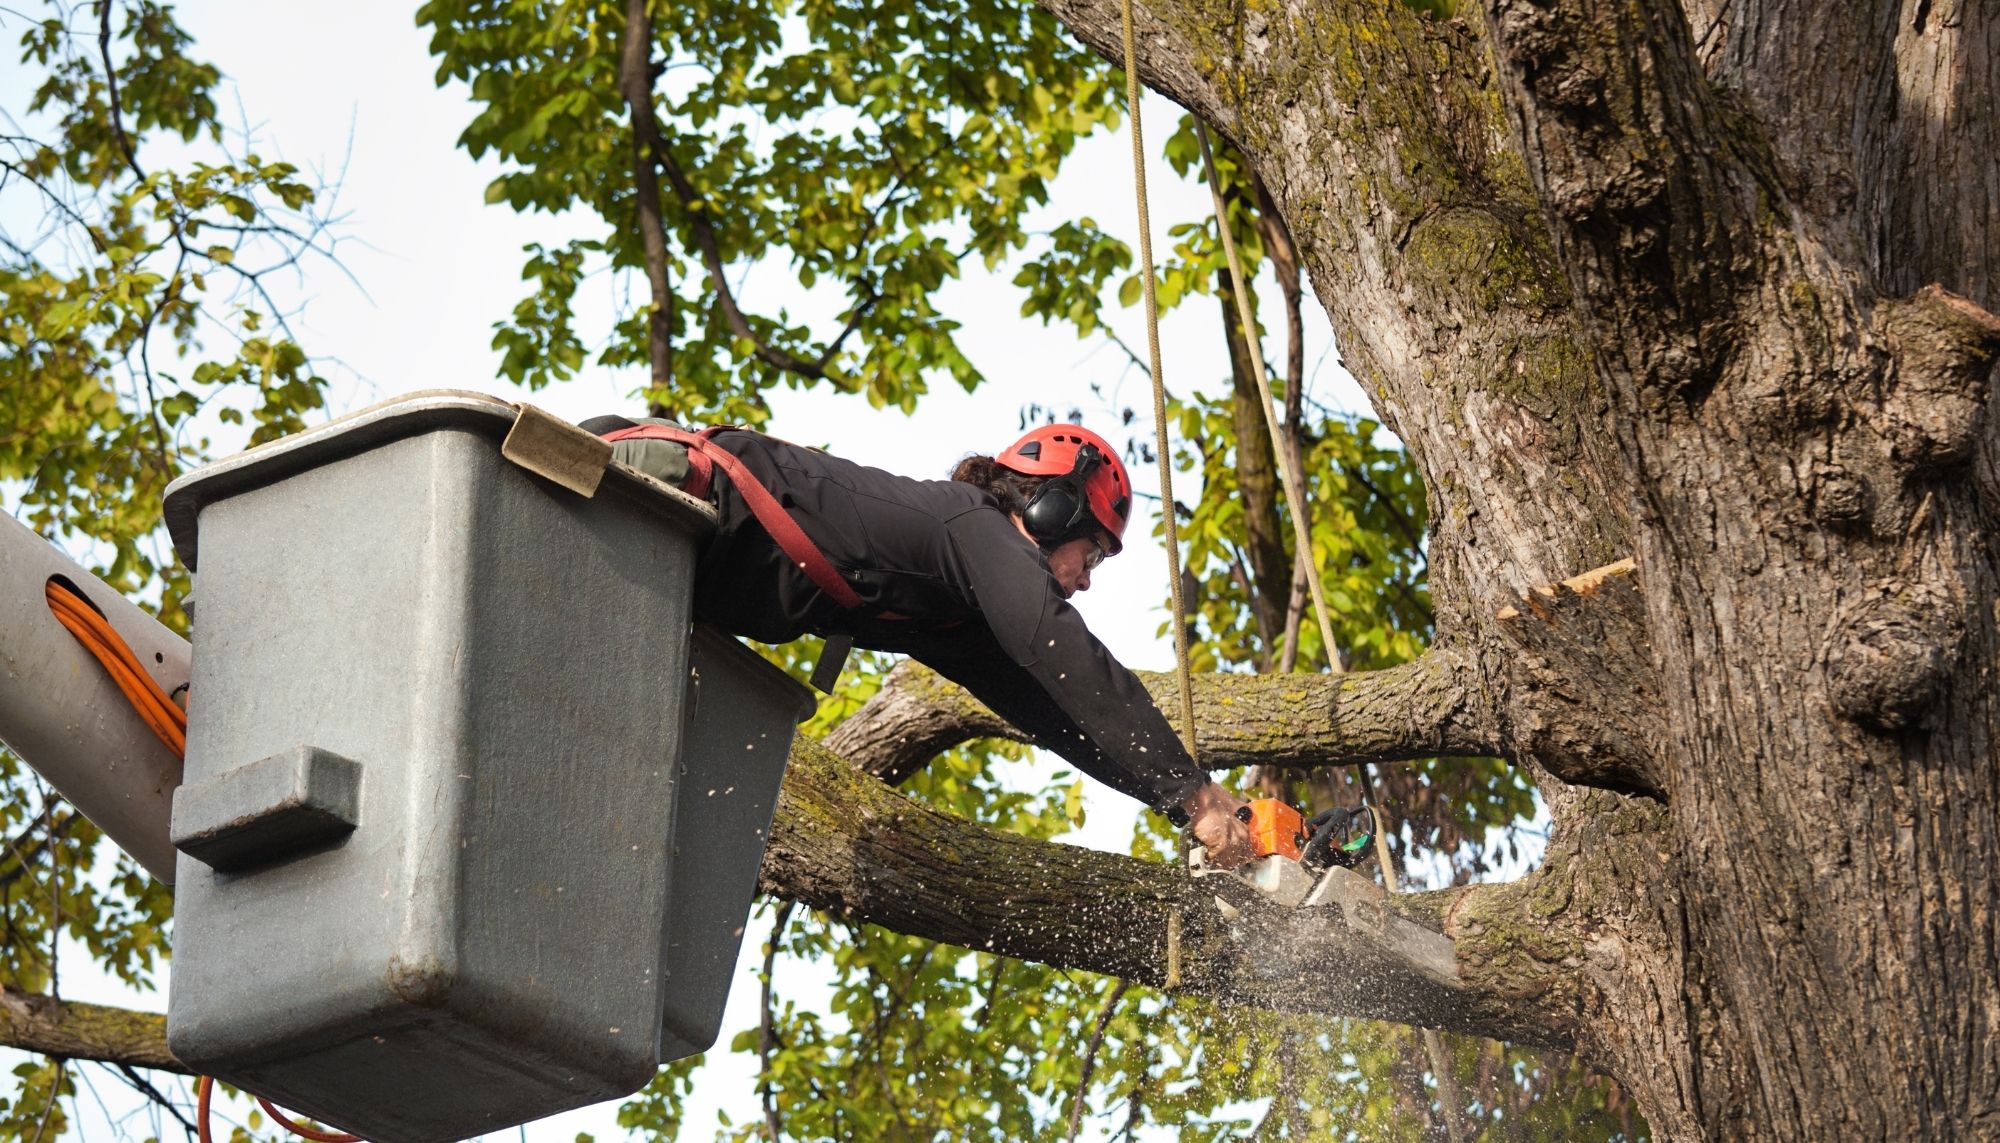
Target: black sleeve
1038,666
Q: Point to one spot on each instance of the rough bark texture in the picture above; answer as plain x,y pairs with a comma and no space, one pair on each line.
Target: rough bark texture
1706,285
71,1031
1419,710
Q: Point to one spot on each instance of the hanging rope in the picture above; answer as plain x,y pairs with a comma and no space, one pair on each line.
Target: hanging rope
1159,385
1302,537
1295,490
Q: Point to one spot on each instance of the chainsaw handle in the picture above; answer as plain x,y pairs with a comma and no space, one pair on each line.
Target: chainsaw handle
1327,832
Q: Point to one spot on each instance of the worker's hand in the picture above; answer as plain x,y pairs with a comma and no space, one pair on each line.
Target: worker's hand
1212,817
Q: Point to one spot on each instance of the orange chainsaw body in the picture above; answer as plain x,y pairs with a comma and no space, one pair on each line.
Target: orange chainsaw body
1274,828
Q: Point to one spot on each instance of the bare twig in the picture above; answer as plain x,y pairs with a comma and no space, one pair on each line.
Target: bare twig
143,1086
111,87
1090,1055
1137,361
766,1032
61,204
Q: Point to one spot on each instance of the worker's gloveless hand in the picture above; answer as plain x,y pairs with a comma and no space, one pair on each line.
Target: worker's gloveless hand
1212,818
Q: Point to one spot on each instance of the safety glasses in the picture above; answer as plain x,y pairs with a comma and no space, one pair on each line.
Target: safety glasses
1095,556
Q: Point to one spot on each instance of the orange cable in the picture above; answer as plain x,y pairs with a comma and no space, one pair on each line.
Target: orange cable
301,1130
166,719
159,712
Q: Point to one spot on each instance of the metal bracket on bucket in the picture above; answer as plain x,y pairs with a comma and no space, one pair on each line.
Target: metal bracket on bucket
556,450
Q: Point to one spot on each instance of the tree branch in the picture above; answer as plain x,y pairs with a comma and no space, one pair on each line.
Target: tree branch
710,249
851,846
635,79
26,850
1090,1055
70,1030
111,89
144,1086
767,1035
1421,709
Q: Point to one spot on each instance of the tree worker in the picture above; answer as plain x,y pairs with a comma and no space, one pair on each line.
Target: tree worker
970,576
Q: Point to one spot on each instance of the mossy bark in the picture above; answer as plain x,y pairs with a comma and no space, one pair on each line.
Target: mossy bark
72,1031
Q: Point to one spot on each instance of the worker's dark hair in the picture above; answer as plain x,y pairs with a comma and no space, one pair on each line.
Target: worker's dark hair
1009,489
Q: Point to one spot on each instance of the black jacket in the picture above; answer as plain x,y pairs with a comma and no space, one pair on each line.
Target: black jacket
982,608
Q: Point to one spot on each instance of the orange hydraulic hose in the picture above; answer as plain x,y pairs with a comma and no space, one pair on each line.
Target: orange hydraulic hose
155,708
300,1129
167,720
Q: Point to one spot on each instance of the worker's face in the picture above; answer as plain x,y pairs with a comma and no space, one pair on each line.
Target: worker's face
1071,563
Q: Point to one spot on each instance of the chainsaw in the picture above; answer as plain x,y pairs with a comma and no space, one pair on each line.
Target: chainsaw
1302,876
1293,854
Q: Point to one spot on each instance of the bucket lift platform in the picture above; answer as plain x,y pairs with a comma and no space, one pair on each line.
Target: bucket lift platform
473,814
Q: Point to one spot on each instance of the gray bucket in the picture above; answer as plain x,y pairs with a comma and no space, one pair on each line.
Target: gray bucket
434,880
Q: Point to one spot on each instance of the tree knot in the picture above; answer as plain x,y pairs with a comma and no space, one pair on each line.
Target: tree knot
1891,652
1942,349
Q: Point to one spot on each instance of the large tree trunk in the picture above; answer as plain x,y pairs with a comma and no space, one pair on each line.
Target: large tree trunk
1707,286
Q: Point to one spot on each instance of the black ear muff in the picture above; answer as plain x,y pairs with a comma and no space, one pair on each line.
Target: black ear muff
1060,504
1052,512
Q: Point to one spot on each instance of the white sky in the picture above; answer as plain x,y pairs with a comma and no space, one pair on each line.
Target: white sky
351,84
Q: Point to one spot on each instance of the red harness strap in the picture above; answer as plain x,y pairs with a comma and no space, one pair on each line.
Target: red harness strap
703,455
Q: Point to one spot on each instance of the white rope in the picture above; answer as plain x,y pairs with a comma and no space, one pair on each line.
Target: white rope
1159,387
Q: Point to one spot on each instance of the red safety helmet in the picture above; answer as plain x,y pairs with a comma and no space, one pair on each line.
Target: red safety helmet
1053,451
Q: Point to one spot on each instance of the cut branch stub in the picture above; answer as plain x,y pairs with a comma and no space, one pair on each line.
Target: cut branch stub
1582,697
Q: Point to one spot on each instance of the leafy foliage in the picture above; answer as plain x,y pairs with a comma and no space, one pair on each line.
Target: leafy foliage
871,148
127,273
